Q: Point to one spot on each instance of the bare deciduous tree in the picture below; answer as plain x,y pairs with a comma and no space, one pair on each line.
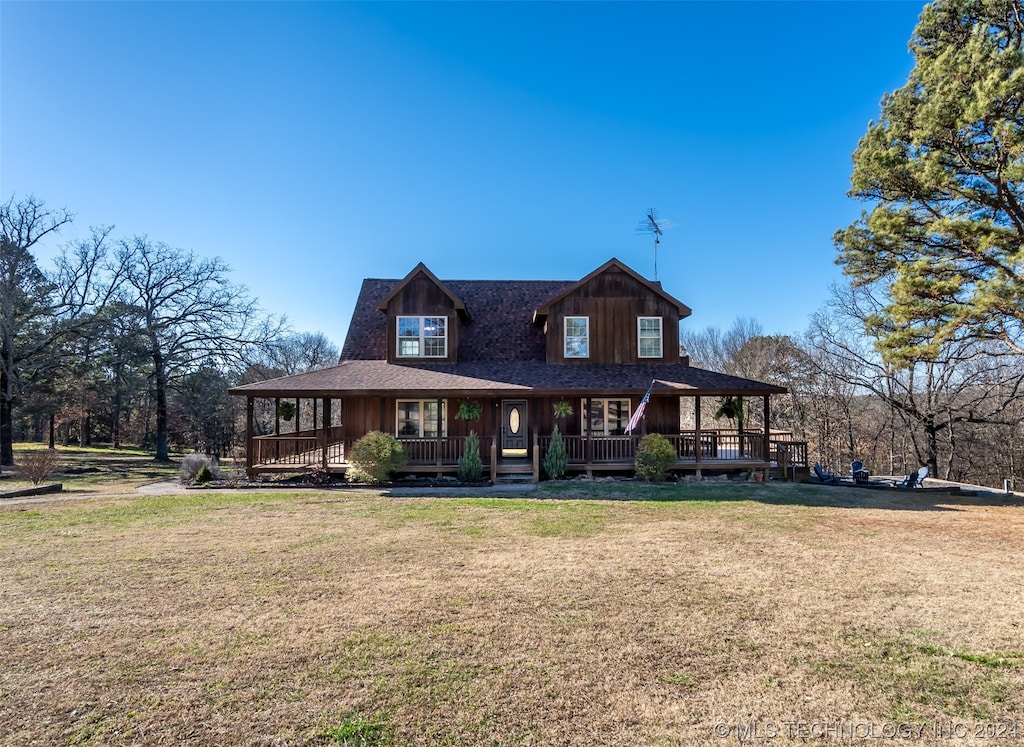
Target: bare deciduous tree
26,299
191,315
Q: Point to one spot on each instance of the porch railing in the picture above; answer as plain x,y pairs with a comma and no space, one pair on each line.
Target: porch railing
300,449
714,445
425,450
306,449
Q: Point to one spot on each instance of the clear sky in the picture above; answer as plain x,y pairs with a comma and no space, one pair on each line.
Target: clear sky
310,145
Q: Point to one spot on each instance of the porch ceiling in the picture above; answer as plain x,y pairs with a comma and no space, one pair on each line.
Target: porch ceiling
376,378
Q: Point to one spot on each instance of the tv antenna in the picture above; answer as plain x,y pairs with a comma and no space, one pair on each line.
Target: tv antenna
654,225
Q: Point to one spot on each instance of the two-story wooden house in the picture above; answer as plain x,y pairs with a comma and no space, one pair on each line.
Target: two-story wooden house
418,349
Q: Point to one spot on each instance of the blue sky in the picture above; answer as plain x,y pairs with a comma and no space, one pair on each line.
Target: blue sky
310,145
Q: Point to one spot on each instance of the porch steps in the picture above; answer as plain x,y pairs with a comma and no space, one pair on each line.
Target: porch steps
514,478
513,472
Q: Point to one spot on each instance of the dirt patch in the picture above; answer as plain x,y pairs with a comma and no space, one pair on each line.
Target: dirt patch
316,618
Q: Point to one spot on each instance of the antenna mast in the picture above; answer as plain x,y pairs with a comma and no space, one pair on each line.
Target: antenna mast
655,226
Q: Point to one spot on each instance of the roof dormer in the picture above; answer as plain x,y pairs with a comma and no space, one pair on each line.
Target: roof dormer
424,318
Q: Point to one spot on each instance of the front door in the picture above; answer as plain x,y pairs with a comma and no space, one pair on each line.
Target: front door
513,427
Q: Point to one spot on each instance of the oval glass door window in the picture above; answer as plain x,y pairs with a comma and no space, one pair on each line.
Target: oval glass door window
513,420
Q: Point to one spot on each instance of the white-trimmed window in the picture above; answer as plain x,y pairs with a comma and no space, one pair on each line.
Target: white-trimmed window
577,337
649,339
417,418
422,337
607,417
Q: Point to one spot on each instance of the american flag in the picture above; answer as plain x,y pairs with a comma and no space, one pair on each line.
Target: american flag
635,420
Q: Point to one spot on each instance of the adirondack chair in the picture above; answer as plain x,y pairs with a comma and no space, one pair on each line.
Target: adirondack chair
860,475
825,477
913,480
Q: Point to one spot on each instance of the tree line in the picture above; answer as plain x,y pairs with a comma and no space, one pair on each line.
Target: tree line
128,340
919,360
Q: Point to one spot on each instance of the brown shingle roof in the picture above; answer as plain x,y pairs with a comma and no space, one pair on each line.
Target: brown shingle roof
501,350
379,377
500,327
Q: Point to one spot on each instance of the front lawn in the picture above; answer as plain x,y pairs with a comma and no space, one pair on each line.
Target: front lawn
328,617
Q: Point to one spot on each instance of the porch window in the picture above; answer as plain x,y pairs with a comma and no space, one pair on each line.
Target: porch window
422,337
607,417
417,418
649,336
577,337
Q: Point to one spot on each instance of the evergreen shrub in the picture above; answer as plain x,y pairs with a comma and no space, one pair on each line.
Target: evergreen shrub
375,456
655,458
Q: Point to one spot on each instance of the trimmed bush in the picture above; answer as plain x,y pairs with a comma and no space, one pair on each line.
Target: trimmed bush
375,457
470,467
556,461
655,458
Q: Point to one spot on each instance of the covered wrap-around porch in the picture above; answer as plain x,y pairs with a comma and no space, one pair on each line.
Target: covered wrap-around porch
334,419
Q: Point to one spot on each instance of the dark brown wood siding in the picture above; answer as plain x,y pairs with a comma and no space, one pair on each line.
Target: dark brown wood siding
364,414
661,415
422,297
614,302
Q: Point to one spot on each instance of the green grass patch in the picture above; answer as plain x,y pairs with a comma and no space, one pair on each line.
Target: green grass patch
354,730
923,679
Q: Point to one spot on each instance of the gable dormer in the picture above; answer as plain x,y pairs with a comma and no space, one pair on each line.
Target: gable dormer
613,315
424,319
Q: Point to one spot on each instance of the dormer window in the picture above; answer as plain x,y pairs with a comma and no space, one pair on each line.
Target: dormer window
649,337
577,337
422,337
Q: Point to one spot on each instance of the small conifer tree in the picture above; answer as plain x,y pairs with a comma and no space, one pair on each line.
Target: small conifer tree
470,466
556,461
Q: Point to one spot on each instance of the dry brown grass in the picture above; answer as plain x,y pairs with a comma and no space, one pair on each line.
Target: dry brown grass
331,618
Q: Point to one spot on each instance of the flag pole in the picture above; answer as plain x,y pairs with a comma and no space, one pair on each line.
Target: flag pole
635,420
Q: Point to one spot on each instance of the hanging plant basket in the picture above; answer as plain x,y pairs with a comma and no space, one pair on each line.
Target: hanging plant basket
286,410
468,410
562,409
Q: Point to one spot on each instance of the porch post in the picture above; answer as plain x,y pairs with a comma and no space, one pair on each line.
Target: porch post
326,423
440,418
536,456
698,446
277,427
767,433
494,459
498,428
249,441
589,456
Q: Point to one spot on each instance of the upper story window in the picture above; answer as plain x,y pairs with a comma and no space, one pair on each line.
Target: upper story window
422,337
577,337
649,337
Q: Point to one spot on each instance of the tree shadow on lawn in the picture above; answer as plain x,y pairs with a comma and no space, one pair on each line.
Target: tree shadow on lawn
781,493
